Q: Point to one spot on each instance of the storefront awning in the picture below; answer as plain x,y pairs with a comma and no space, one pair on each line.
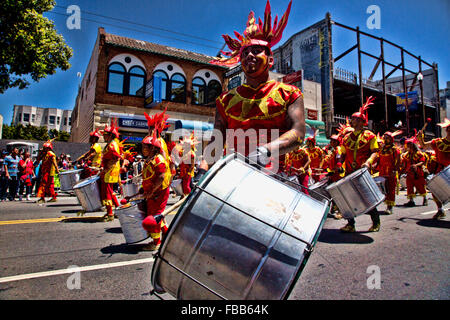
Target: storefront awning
193,125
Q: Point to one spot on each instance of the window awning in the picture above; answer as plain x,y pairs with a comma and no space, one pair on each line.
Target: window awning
193,125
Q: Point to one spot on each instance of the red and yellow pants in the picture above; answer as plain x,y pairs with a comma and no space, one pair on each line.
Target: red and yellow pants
47,187
391,187
415,182
156,206
108,197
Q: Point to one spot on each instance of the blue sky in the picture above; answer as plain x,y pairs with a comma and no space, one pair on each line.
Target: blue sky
421,27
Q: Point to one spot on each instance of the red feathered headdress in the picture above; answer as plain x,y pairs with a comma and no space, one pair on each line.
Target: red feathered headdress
95,133
112,129
362,113
261,34
49,144
157,122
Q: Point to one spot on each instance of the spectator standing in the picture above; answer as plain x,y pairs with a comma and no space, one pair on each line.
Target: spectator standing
3,179
11,166
26,175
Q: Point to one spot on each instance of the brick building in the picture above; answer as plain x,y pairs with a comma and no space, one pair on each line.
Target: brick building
114,86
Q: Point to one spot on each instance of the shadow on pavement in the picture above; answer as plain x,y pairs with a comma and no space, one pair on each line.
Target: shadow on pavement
124,248
63,205
337,236
114,230
429,222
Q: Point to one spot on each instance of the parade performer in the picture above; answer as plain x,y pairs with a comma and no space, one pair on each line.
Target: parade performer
48,169
360,147
441,147
187,164
297,164
93,158
317,156
413,161
110,169
333,162
157,177
26,175
259,105
388,164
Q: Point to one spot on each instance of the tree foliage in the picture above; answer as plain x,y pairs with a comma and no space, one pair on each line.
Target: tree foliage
29,43
30,132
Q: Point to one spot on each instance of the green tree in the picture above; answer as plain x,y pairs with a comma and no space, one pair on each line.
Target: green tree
29,43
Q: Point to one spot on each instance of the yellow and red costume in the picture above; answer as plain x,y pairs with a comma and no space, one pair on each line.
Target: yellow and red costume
296,160
261,109
48,170
414,176
358,147
187,164
441,148
111,170
317,156
333,162
94,161
388,165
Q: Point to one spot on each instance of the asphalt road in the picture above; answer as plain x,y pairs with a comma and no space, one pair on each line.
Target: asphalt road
408,259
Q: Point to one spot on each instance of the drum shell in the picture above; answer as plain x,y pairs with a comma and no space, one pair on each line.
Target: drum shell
439,185
131,218
230,252
381,183
68,179
356,194
177,187
320,188
130,189
88,194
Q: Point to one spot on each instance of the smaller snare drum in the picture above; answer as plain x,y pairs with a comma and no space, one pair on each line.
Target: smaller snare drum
381,183
356,194
131,216
320,188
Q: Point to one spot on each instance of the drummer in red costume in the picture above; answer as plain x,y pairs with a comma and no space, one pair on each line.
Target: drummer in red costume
441,147
360,147
388,164
260,104
317,156
187,164
412,163
110,173
92,158
157,177
49,168
297,163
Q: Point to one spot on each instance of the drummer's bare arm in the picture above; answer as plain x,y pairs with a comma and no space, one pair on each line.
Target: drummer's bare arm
371,159
422,143
295,136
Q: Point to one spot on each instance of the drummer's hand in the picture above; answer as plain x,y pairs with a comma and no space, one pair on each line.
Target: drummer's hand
367,165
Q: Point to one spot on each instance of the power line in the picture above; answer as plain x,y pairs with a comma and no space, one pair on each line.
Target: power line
144,25
132,29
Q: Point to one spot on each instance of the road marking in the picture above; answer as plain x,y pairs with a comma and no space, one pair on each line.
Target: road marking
73,270
9,222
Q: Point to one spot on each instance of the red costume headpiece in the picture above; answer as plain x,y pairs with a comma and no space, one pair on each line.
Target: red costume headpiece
362,113
312,138
344,129
112,129
261,34
49,144
95,133
156,124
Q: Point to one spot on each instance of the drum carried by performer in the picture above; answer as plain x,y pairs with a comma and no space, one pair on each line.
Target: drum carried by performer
93,158
441,147
297,164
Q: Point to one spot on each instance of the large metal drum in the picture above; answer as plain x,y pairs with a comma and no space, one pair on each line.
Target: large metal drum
88,194
319,188
439,185
131,216
240,234
68,179
356,194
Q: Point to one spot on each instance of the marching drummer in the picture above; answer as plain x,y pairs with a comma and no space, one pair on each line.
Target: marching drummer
316,155
187,164
48,169
388,164
260,103
156,181
110,173
412,163
441,147
297,164
360,147
93,158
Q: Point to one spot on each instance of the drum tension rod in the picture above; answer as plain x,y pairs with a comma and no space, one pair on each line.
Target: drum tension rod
157,255
309,246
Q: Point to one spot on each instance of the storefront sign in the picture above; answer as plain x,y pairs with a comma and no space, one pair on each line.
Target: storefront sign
312,114
412,101
153,92
133,123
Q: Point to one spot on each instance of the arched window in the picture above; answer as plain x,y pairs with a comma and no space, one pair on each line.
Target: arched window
177,88
136,81
198,91
116,78
214,90
165,79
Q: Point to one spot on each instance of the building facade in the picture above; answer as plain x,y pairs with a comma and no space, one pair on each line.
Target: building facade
118,84
52,118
